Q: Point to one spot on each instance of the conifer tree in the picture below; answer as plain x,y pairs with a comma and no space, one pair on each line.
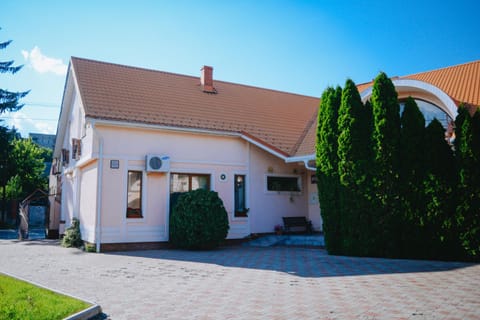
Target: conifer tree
467,148
440,236
9,101
353,157
386,146
327,166
412,169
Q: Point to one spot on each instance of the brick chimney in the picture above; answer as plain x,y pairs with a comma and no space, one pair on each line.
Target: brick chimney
206,79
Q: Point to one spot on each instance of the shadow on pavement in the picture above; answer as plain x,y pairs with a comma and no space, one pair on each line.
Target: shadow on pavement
303,262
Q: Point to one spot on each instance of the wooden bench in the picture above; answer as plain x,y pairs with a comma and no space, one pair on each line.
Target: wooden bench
297,222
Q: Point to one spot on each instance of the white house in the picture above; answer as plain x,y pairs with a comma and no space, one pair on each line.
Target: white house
130,139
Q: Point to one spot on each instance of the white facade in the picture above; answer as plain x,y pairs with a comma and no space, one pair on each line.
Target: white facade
94,184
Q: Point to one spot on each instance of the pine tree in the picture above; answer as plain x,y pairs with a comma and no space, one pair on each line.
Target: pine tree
9,101
327,166
386,146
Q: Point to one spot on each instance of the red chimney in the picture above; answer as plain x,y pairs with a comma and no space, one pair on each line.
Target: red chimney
206,79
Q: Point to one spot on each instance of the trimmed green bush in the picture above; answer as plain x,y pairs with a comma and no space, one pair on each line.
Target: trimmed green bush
73,237
198,221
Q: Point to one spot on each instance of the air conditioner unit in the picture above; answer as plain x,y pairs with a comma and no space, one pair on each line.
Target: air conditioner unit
156,163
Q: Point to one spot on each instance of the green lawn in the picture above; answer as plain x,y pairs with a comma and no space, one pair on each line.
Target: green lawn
21,300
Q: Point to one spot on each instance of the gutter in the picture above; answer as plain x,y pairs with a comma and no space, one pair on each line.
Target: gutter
305,159
98,221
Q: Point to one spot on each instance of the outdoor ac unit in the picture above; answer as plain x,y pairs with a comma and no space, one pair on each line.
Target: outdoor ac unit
156,163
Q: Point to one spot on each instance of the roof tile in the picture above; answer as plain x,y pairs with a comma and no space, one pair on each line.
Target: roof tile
124,93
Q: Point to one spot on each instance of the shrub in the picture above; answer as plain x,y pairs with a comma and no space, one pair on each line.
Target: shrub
73,237
198,220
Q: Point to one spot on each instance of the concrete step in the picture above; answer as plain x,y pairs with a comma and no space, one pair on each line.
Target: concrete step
313,240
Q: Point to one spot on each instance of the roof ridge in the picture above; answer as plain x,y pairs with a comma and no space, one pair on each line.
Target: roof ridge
134,67
440,69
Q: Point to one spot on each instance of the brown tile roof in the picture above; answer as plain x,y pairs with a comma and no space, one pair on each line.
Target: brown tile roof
115,92
460,82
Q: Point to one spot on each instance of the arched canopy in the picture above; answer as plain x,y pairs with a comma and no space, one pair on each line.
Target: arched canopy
420,90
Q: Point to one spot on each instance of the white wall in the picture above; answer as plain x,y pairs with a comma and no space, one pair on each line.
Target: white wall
267,208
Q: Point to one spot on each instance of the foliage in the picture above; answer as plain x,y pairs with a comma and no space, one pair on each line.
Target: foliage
438,221
327,168
467,146
27,158
198,220
354,160
9,101
386,146
73,236
390,187
412,170
21,300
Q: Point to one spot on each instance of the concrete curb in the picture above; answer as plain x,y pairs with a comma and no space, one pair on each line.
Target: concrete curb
85,314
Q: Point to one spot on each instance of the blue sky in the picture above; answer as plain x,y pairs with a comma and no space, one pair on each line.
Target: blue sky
294,46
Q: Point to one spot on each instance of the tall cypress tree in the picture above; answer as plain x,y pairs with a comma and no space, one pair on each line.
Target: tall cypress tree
327,166
353,156
467,148
438,224
386,146
412,170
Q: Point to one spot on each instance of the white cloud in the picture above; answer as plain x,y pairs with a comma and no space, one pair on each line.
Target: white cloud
25,125
44,64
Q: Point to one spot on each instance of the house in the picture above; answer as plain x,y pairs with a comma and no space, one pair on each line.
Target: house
45,141
129,140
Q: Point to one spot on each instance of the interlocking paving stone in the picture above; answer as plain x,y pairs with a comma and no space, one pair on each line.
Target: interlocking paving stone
250,283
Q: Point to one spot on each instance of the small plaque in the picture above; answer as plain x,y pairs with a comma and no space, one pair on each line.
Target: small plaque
313,179
114,164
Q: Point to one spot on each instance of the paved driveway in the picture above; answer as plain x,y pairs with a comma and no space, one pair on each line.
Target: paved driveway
249,283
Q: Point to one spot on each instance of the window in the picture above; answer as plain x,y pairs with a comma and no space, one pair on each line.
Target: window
277,183
65,157
240,209
184,182
134,194
76,148
430,112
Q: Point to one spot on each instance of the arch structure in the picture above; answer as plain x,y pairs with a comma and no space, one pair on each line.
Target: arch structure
420,90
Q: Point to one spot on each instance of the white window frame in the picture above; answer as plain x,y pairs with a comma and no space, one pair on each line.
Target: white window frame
143,194
247,193
299,182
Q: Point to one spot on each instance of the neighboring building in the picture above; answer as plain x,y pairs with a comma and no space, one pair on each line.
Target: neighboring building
43,140
129,140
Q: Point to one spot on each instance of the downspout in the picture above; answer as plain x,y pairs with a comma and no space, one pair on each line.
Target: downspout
98,221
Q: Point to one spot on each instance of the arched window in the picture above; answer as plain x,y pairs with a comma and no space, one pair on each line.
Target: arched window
430,112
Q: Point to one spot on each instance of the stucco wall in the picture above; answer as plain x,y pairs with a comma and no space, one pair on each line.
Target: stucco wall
189,153
87,204
313,204
195,153
267,208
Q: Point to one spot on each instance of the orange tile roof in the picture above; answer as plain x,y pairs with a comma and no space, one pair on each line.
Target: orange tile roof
460,82
281,121
278,120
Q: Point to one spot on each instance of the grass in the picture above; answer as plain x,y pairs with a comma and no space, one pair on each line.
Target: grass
22,300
